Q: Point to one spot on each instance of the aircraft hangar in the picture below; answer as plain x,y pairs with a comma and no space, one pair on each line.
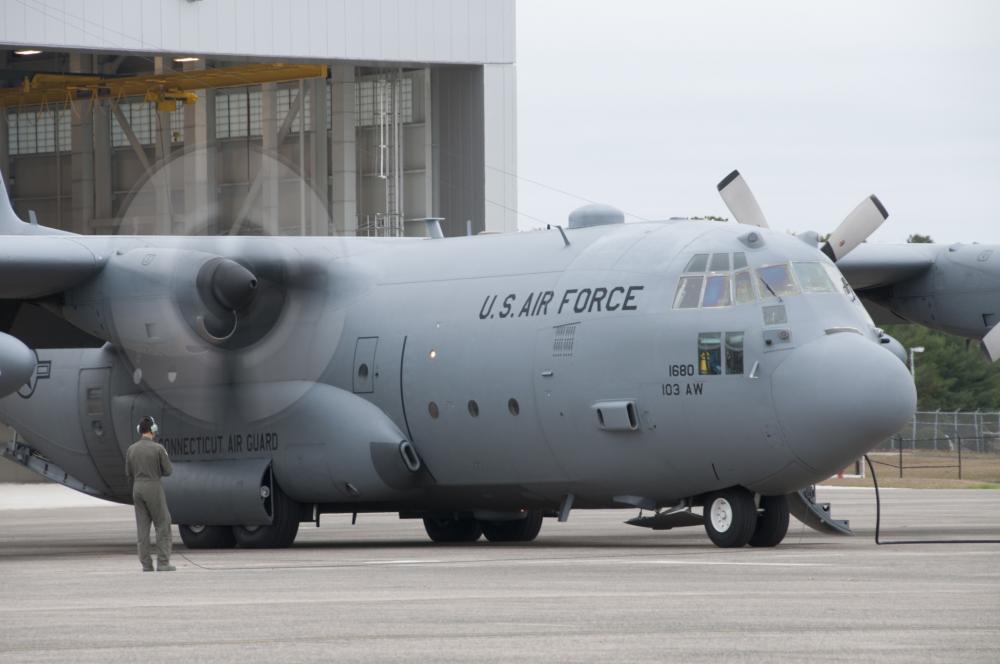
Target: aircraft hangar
349,117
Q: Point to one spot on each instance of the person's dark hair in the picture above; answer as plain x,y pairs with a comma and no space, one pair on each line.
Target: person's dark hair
146,424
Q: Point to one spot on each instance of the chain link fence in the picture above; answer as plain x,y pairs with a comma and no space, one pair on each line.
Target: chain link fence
946,445
947,431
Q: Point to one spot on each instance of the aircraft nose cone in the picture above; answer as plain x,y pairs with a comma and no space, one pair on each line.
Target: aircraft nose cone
839,396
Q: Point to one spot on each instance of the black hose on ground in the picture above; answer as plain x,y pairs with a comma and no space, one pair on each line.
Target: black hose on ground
878,521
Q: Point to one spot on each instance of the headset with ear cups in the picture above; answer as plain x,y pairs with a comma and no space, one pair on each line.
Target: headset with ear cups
153,426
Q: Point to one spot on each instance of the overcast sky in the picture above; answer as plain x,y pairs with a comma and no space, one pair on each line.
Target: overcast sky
647,104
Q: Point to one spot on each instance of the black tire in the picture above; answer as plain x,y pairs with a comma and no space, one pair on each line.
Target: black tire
730,517
522,530
282,531
453,530
772,521
207,537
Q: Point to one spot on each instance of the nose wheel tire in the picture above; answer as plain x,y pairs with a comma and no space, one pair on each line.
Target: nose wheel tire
207,537
730,517
522,530
282,531
772,522
453,530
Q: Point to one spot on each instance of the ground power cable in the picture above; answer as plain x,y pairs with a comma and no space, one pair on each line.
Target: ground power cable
878,522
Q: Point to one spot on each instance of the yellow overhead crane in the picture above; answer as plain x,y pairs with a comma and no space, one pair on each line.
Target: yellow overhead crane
167,90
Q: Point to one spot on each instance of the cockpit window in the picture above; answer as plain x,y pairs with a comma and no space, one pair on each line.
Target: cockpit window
688,293
698,263
739,260
813,278
734,353
719,263
717,291
743,291
710,353
776,281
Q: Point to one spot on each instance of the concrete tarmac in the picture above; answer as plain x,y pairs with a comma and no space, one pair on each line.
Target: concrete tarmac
591,589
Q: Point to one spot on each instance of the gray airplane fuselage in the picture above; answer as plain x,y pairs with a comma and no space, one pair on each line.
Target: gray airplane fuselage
521,370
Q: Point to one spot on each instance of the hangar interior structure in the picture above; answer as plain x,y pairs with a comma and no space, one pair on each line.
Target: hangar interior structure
378,113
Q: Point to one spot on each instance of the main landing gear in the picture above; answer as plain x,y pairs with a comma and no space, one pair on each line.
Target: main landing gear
455,529
733,518
280,534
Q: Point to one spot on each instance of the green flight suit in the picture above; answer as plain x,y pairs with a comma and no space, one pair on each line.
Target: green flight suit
146,461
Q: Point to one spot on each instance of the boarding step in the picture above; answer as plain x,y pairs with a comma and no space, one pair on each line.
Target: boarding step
803,506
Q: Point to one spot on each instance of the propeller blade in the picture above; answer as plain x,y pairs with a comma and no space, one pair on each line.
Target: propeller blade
740,200
991,344
855,228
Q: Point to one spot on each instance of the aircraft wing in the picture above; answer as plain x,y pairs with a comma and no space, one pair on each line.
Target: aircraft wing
877,265
33,266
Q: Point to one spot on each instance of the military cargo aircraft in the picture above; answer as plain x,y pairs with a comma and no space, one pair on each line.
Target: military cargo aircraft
705,373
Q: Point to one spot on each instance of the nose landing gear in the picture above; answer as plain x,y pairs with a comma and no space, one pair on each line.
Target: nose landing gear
730,517
733,519
772,521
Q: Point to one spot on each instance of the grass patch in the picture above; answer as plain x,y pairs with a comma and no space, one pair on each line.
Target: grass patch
928,469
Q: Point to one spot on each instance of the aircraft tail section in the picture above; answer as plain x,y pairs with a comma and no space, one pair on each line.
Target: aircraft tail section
11,224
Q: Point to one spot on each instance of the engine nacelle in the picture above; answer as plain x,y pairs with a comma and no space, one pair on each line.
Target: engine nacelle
164,302
957,294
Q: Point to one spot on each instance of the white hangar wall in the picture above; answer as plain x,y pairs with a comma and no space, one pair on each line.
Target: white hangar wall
425,31
452,60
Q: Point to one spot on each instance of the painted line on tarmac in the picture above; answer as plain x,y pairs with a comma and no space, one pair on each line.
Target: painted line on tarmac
741,563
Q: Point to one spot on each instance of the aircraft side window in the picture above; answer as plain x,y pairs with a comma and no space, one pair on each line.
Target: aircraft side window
719,263
813,278
734,353
688,293
717,291
739,260
710,353
776,281
743,291
698,263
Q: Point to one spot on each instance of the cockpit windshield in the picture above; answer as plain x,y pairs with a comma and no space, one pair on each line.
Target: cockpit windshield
776,281
813,278
723,280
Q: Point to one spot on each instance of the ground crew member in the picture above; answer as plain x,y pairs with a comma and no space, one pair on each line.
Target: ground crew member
146,461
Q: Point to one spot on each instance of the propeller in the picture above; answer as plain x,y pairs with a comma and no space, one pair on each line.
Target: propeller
740,200
991,344
852,231
209,325
855,228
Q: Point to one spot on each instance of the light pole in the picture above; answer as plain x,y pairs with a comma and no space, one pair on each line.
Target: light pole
913,370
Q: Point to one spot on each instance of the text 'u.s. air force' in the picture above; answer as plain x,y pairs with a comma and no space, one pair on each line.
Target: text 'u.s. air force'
575,300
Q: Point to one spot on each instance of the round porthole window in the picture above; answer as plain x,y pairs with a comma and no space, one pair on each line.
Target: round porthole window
432,408
363,370
473,409
513,407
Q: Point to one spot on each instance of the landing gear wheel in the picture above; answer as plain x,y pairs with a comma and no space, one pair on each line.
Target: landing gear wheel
207,537
730,517
523,530
282,531
452,530
772,523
